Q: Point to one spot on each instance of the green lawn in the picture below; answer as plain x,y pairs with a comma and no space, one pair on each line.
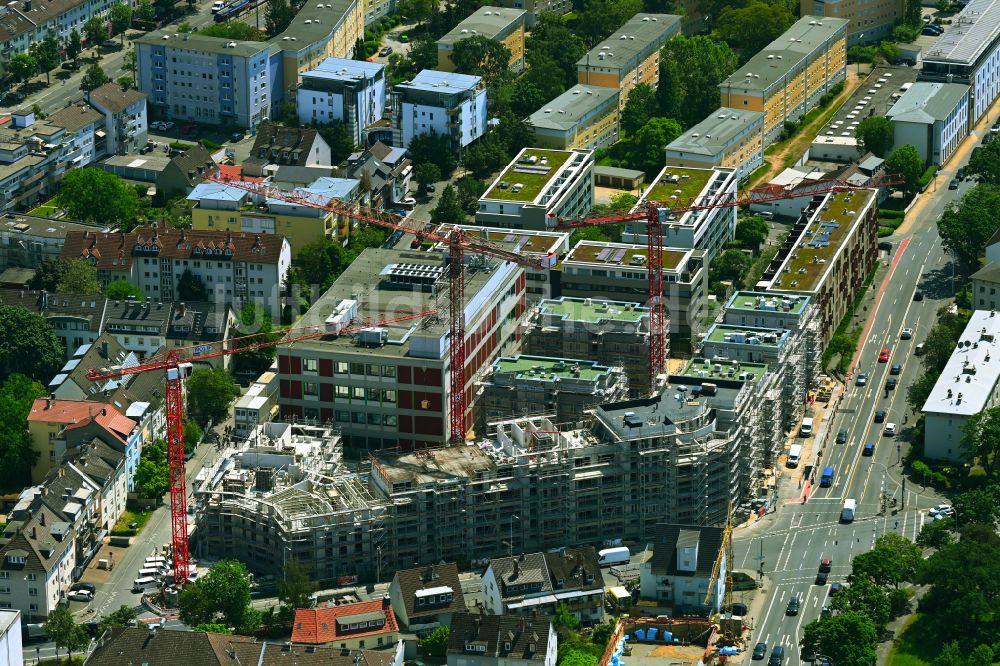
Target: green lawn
46,210
129,517
917,644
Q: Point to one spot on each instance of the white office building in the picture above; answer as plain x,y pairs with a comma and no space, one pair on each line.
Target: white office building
342,90
967,386
932,117
440,103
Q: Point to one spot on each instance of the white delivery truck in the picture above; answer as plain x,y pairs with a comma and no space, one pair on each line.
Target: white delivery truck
612,556
794,455
847,514
145,584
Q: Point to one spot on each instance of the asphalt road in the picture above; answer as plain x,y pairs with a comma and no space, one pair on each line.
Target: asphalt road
800,535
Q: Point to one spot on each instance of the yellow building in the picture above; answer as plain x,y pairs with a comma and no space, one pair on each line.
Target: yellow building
496,23
584,117
870,20
630,56
787,78
319,31
728,138
221,207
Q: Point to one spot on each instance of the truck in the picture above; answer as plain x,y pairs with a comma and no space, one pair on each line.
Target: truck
847,513
612,556
826,480
794,455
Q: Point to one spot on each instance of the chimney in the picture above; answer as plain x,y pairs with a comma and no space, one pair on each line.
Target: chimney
517,570
32,531
104,349
181,309
104,411
48,403
386,600
522,556
41,518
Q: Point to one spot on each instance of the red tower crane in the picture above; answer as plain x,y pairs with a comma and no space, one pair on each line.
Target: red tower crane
652,213
175,363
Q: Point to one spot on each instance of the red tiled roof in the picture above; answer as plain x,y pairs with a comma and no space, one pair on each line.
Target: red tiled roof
235,172
319,625
77,413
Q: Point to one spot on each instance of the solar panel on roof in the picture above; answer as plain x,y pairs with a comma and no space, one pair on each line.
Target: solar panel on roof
603,254
618,255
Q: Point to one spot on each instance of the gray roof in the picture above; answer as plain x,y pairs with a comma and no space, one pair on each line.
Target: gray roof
491,22
523,569
783,55
618,171
567,110
713,134
643,33
195,42
114,97
495,632
970,34
668,537
75,116
313,22
927,102
411,581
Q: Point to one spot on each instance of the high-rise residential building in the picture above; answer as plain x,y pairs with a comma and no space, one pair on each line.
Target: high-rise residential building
342,90
444,103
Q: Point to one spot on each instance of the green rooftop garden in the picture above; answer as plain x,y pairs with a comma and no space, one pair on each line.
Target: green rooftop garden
531,183
749,300
722,370
589,251
718,334
807,263
690,183
550,368
577,310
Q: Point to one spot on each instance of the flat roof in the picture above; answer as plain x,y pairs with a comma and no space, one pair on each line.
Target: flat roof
713,134
783,55
967,382
533,177
874,93
14,223
633,38
620,254
764,301
569,108
706,368
746,335
928,102
822,240
585,309
690,183
342,69
429,80
515,240
544,368
486,21
422,467
196,42
971,33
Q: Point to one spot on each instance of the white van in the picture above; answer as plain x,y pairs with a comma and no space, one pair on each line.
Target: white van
847,514
144,584
150,572
611,556
794,455
806,429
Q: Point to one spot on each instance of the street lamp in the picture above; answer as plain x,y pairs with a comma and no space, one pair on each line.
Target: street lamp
510,542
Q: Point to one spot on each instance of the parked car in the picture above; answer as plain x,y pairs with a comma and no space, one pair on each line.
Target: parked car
432,187
835,588
953,184
404,39
13,97
70,66
236,137
941,510
996,127
217,6
80,595
777,656
960,174
385,50
110,44
86,587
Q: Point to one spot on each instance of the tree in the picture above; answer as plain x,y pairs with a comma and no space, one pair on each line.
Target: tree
433,148
486,155
481,56
93,78
435,644
295,587
985,164
152,476
28,345
65,632
191,288
469,190
750,28
17,454
979,506
73,45
906,162
967,226
79,277
96,31
752,232
255,320
94,195
192,435
277,16
864,596
340,138
525,98
845,638
235,30
981,444
644,149
320,262
22,66
196,608
425,174
893,560
640,107
210,391
213,628
46,53
120,16
121,290
936,534
913,13
730,265
417,10
597,19
227,584
145,11
564,617
874,134
547,78
125,616
555,47
449,209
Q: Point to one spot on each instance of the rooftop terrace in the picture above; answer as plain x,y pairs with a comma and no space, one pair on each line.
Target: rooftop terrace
762,301
744,335
525,179
733,370
822,239
620,254
579,309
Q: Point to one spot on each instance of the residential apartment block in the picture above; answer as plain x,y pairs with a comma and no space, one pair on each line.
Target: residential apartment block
732,138
29,21
427,597
968,385
617,272
276,144
236,268
499,24
870,20
933,118
388,388
535,8
26,241
986,287
787,78
225,209
75,319
630,56
445,103
535,584
257,406
969,52
608,332
37,558
829,255
349,626
342,90
525,385
583,117
125,121
537,187
680,570
708,229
